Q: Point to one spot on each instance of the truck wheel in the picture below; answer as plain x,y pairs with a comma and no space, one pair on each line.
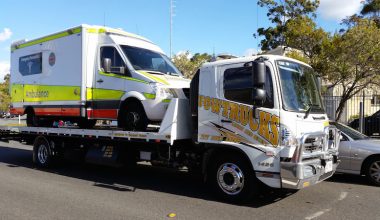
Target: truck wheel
31,119
232,178
372,170
134,117
42,155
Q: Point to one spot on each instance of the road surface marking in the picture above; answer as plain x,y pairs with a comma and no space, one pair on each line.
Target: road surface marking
342,196
317,214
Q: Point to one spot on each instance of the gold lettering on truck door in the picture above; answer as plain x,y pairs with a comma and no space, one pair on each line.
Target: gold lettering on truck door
253,125
244,114
234,112
264,125
273,137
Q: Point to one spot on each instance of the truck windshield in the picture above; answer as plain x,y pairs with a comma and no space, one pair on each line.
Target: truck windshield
299,88
151,61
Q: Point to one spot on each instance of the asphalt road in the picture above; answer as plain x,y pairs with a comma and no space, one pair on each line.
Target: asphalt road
83,191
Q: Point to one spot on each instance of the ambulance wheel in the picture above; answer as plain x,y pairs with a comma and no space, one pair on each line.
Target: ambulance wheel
85,123
231,178
134,117
31,119
42,154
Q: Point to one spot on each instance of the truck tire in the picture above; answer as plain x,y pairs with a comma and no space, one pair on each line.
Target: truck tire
42,154
372,170
31,119
134,118
232,179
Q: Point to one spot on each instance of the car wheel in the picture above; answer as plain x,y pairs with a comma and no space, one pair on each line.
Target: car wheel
232,179
134,118
372,171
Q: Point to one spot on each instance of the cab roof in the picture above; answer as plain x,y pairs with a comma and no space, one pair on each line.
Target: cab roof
250,59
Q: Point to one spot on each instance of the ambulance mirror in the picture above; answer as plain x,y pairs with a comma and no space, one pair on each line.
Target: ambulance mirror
107,65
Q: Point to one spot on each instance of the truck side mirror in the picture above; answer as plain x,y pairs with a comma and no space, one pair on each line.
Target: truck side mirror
258,80
258,73
107,65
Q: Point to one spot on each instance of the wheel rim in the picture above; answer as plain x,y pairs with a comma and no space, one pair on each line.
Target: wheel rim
230,178
374,171
42,154
133,118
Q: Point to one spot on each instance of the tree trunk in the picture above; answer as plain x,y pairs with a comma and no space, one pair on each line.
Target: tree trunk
341,106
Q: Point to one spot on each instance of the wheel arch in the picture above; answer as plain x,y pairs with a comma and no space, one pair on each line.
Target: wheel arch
212,150
366,161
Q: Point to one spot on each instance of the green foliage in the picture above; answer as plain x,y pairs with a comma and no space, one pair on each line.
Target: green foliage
189,66
371,7
350,59
298,56
280,13
5,98
303,34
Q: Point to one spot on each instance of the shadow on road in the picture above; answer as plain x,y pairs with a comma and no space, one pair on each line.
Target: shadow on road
349,179
143,177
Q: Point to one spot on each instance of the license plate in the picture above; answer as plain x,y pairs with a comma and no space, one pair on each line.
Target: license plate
328,166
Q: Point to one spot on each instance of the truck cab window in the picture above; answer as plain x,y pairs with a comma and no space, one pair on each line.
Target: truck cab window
238,86
117,63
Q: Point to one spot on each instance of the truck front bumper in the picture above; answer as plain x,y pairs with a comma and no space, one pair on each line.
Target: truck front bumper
306,173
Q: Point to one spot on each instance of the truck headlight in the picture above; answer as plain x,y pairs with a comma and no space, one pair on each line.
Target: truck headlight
289,143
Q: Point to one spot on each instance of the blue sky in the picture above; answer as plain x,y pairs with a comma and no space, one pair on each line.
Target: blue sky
198,25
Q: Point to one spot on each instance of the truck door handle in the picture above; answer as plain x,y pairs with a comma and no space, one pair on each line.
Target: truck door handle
99,81
226,121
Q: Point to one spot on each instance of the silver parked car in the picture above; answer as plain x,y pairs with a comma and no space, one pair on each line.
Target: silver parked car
359,154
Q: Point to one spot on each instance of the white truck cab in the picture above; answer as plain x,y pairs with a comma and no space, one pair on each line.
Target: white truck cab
92,72
269,108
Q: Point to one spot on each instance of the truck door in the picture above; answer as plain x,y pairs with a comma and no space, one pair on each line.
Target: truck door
255,123
108,87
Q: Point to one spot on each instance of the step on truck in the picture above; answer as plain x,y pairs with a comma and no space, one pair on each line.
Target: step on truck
248,122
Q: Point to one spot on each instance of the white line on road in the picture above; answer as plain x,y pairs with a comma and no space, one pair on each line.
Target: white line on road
342,196
317,214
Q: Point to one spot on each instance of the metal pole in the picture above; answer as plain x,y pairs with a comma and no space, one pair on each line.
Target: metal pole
361,119
171,24
363,116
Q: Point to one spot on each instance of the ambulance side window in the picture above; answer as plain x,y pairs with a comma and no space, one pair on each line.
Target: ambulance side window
117,63
238,86
30,64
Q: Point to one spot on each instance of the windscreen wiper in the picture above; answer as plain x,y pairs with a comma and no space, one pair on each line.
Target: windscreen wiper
309,108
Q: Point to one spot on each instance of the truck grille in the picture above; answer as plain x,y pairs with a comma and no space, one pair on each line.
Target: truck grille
313,145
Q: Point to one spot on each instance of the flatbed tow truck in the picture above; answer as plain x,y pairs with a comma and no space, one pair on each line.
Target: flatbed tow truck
247,120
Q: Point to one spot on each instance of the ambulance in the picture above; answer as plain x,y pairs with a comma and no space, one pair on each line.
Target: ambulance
87,73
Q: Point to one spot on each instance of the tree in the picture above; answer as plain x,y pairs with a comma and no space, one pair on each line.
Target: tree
280,13
5,98
371,9
351,59
189,65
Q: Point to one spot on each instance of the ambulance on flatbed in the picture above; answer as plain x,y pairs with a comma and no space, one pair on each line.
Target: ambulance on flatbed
88,73
247,121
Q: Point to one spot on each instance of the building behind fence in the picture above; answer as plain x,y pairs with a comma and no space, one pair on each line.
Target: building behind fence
352,108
